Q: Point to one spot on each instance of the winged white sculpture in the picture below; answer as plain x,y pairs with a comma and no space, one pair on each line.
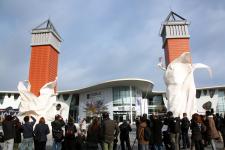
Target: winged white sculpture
180,85
43,105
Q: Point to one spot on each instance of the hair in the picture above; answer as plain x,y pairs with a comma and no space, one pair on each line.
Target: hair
195,117
185,114
145,115
8,118
169,114
58,105
208,113
143,119
105,115
57,117
42,120
94,124
26,119
70,120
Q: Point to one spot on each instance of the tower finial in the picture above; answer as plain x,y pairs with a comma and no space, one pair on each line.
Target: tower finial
171,9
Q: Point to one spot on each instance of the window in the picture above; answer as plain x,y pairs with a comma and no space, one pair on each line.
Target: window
121,96
221,102
2,97
65,96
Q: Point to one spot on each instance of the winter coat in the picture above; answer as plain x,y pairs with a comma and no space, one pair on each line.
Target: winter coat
140,133
211,130
185,124
157,131
93,136
28,128
125,128
8,129
197,129
18,132
109,130
41,131
57,126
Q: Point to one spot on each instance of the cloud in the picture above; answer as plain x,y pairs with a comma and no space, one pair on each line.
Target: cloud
104,40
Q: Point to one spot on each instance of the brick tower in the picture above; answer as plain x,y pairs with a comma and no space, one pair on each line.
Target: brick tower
44,55
175,36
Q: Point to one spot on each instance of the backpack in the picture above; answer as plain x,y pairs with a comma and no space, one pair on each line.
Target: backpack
70,131
147,134
57,135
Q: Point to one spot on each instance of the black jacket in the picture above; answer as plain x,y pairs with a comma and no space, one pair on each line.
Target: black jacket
8,129
157,131
185,124
41,131
196,130
125,128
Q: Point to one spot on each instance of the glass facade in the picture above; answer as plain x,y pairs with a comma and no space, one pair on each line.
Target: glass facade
2,95
121,96
221,102
74,107
156,105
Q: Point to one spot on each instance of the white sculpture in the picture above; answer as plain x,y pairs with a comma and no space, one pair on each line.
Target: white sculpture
43,105
180,85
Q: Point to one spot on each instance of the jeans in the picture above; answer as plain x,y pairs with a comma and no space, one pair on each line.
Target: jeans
107,146
144,146
158,147
185,139
8,145
56,145
27,144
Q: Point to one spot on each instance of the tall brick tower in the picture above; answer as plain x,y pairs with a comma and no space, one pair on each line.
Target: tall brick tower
44,55
175,36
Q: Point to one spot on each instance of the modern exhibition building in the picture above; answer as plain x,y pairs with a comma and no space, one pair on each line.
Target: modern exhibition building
124,99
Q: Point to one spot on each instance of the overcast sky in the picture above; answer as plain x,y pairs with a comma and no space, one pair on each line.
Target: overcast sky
109,39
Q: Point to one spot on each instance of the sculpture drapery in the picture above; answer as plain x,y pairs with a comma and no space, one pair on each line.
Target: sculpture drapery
180,85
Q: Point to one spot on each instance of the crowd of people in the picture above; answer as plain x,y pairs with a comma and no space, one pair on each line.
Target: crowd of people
172,133
153,133
65,135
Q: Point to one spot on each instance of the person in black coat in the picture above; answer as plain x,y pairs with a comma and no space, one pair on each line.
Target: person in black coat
18,131
125,128
57,132
157,132
41,131
185,124
8,126
69,139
